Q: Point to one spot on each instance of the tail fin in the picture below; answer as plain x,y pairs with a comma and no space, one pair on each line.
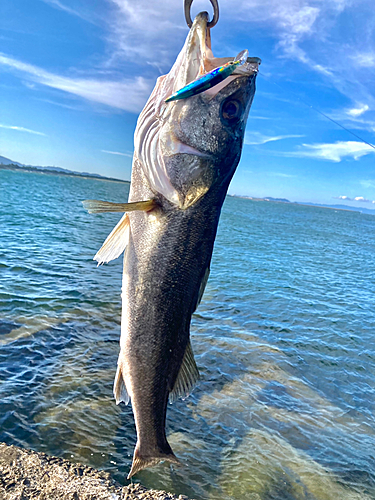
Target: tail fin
140,462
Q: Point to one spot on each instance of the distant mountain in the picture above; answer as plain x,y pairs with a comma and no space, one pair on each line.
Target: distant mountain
283,200
6,163
267,198
319,205
340,207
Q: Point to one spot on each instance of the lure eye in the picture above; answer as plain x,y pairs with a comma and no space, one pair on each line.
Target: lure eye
231,110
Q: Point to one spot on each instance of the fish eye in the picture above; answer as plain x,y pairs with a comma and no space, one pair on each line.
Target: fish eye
231,110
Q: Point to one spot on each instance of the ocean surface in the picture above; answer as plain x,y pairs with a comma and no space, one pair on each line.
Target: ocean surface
284,339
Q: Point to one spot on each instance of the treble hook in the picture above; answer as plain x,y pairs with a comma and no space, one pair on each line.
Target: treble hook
210,24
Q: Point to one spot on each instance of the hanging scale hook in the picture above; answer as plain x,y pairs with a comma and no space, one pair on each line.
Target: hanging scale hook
211,24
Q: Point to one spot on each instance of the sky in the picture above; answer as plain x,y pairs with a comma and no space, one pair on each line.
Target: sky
74,75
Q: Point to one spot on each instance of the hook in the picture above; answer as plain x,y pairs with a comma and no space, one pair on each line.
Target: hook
210,24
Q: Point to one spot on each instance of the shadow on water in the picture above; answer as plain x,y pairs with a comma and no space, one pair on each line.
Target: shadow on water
7,326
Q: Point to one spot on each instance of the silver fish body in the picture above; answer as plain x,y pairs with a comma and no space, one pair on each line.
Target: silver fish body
186,153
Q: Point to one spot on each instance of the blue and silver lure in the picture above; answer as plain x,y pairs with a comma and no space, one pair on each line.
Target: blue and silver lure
210,79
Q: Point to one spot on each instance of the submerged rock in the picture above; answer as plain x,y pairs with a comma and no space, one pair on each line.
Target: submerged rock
28,475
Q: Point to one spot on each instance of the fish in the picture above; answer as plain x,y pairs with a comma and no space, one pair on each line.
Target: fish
185,154
210,79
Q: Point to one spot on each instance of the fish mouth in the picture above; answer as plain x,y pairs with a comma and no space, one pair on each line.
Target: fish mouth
197,59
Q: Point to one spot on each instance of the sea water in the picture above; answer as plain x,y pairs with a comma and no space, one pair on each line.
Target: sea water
283,338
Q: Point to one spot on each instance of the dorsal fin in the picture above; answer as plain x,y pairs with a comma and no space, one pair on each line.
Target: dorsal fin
187,377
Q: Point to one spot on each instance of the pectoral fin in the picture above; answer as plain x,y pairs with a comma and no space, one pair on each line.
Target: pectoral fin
99,207
117,240
187,376
115,243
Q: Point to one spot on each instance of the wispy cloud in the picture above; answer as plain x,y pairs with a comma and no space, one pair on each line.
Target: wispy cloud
306,31
129,155
126,94
368,183
21,129
355,118
62,6
303,31
336,151
256,138
255,117
281,174
60,104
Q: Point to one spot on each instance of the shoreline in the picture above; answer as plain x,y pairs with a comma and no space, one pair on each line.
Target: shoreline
47,171
27,474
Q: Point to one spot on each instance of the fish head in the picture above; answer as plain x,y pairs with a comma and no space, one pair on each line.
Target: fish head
197,142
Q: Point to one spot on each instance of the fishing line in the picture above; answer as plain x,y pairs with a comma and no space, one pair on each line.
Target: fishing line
320,112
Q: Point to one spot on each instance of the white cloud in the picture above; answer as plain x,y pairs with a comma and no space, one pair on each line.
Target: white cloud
360,199
256,138
149,33
126,94
304,30
358,111
129,155
307,31
334,151
365,59
142,31
21,129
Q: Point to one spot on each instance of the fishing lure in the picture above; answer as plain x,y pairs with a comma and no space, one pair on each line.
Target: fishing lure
210,79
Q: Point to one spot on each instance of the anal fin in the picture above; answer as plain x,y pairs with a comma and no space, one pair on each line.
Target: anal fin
119,388
203,286
187,377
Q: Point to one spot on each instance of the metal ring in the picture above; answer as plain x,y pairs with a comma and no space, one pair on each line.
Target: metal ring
210,24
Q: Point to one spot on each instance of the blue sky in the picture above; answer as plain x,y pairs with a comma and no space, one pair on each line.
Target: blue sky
74,74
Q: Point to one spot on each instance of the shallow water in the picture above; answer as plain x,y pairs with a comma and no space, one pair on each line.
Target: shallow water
284,340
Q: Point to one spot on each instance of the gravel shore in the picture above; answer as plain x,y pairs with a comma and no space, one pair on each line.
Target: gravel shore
28,475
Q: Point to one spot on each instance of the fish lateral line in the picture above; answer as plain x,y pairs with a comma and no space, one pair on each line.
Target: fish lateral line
210,79
99,206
